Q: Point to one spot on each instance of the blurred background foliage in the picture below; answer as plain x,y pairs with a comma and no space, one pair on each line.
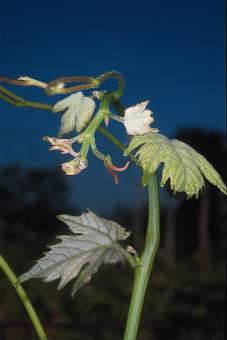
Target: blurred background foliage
185,299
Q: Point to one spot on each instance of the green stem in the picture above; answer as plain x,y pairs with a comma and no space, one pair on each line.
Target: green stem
15,100
88,134
115,95
116,142
24,298
144,269
88,83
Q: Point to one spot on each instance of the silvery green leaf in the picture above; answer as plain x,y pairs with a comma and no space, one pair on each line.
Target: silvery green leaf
183,166
78,112
94,242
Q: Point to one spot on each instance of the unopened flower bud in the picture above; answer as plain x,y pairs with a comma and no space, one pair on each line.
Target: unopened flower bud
73,167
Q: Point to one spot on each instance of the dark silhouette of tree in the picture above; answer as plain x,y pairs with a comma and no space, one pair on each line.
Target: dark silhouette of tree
187,302
30,199
209,215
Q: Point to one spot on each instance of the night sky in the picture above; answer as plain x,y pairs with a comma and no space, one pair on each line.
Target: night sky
171,52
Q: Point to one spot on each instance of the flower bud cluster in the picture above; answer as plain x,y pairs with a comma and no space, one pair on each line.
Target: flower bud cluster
77,111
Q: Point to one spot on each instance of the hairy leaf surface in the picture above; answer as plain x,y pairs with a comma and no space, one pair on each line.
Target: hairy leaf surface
78,110
95,242
183,166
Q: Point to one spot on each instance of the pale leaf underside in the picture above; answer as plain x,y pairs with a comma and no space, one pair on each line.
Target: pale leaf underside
77,111
95,242
184,167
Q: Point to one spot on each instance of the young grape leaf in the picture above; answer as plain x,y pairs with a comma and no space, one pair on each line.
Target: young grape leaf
79,256
78,110
183,166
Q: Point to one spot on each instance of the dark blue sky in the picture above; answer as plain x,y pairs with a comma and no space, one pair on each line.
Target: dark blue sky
171,52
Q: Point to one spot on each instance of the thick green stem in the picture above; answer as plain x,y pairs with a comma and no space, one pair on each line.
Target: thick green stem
24,298
144,268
